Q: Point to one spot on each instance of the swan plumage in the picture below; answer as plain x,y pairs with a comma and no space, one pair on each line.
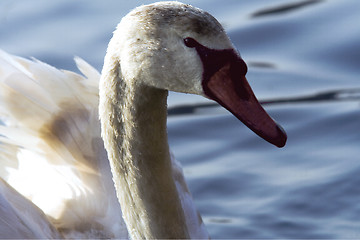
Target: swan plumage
51,129
50,117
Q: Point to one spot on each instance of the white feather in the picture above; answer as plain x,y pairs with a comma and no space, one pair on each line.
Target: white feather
51,148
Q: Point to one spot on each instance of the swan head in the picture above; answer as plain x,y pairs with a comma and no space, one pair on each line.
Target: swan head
177,47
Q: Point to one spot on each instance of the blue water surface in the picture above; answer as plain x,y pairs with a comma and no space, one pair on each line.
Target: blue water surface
304,64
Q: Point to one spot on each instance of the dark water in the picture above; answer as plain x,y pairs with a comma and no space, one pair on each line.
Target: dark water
304,64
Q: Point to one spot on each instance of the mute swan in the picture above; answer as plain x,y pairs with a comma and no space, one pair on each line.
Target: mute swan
50,121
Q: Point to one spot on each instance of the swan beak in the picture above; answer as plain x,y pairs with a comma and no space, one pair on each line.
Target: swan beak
228,86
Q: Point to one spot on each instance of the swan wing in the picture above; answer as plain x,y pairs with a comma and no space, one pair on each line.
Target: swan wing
18,214
51,150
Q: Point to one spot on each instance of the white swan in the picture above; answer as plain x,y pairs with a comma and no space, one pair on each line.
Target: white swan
52,115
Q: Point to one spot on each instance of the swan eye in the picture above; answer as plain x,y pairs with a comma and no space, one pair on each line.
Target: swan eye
190,42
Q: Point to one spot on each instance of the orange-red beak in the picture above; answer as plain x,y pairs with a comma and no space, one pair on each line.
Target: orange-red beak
233,92
224,81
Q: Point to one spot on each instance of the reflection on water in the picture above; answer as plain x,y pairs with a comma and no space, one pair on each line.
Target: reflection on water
285,8
303,59
250,189
333,95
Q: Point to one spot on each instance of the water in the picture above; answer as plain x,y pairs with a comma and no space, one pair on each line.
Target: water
304,62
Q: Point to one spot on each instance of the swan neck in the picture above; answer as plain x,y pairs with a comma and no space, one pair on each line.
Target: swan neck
133,120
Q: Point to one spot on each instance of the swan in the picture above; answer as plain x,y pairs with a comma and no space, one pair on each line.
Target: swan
96,176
